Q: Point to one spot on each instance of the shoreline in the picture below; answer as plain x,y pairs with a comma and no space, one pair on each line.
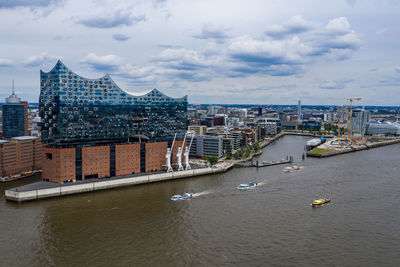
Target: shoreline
42,190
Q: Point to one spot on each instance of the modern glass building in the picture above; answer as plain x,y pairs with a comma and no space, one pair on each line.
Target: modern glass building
76,110
14,119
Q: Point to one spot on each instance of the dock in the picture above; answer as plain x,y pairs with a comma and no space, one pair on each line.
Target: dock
257,164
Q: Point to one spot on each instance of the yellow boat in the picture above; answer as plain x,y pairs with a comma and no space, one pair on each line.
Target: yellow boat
320,202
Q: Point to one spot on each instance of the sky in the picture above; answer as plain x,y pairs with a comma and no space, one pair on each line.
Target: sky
227,52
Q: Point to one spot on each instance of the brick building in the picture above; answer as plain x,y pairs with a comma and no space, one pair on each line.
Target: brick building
20,154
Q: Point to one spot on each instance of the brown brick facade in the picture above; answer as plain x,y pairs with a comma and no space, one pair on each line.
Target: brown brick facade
155,156
95,161
127,159
58,164
19,156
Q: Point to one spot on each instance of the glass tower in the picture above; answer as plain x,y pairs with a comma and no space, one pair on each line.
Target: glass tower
13,116
76,110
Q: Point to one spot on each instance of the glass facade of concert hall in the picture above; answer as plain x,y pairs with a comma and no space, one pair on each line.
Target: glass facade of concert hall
76,110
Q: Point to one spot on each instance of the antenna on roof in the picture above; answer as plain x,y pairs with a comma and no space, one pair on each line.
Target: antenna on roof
13,91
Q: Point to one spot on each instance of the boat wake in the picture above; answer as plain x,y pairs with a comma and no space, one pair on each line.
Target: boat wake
207,192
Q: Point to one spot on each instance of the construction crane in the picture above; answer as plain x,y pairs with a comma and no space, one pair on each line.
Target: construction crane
179,154
187,151
338,119
168,156
350,115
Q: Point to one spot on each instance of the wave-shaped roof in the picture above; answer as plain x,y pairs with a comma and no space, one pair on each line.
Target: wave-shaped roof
154,92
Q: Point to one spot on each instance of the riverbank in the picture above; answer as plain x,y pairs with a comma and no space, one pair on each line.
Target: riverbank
322,151
42,189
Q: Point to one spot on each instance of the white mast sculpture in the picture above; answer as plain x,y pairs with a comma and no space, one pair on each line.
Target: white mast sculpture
168,156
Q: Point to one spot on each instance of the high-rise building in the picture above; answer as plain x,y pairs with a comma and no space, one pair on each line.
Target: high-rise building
299,114
15,116
359,119
76,110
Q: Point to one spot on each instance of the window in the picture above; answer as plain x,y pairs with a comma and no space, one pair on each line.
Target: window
49,156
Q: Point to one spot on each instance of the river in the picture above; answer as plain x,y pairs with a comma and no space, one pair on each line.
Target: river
270,225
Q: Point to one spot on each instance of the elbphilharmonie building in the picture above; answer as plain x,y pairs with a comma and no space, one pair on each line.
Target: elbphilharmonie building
76,110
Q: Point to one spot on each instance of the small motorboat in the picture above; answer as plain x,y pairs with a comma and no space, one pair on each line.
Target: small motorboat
183,196
247,186
320,202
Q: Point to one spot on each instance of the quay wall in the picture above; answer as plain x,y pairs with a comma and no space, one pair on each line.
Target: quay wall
70,189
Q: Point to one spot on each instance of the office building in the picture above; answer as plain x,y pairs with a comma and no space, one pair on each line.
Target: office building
382,127
359,119
15,116
198,129
207,145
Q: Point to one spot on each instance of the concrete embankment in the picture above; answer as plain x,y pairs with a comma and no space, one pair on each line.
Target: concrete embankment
353,149
43,190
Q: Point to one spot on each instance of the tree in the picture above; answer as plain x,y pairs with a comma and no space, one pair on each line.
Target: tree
228,156
238,154
213,160
256,147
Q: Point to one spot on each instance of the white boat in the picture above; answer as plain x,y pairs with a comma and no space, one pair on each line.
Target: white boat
183,196
292,168
247,186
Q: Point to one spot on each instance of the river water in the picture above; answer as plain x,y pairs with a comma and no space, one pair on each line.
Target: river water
271,225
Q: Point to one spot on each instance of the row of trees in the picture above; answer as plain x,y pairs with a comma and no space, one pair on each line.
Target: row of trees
245,152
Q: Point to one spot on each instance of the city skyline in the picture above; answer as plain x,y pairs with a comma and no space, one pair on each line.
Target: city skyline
217,53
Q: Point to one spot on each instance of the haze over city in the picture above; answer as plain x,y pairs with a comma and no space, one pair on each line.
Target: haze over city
244,52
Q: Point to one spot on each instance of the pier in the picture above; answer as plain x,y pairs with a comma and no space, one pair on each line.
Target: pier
257,164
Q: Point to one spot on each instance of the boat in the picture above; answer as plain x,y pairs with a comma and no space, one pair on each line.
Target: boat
292,168
247,186
320,202
183,196
17,176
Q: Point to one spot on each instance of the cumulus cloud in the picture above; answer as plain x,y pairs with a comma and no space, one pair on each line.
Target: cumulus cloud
102,63
118,18
208,31
295,25
39,60
274,57
4,62
120,37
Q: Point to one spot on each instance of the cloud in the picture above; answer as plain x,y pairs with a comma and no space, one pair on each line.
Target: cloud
334,85
40,8
39,60
285,54
27,3
208,31
4,62
274,57
120,37
397,69
106,63
117,19
351,2
295,25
